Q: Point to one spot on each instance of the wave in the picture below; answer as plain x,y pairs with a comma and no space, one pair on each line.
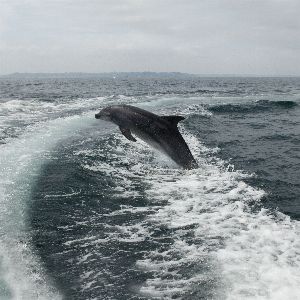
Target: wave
257,106
17,115
243,248
219,246
21,275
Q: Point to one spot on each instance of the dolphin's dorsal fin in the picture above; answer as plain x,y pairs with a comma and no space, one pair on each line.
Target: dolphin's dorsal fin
127,133
173,119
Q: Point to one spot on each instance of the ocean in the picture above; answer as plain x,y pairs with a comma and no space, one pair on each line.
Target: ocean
87,214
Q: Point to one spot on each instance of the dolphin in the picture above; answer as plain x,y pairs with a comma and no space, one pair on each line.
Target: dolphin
160,132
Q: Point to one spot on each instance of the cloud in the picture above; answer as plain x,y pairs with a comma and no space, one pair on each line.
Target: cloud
208,36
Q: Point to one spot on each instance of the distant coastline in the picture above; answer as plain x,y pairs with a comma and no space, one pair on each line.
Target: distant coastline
98,75
116,75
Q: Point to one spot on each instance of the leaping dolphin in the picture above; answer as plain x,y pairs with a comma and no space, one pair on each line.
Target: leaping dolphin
160,132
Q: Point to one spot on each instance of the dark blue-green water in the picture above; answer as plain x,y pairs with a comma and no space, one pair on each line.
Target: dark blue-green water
87,214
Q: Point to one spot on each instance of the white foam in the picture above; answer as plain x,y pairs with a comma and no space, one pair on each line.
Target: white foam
241,253
256,252
169,105
15,114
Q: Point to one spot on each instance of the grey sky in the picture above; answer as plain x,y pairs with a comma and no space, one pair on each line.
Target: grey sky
195,36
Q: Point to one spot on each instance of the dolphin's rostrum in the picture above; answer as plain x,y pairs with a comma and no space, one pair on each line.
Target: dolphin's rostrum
160,132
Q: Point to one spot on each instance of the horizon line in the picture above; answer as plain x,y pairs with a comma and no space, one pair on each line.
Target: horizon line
149,72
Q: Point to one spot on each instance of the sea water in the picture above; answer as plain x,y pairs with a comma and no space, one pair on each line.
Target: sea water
87,214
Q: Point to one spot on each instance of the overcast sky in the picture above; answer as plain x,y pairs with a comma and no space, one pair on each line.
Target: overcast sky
194,36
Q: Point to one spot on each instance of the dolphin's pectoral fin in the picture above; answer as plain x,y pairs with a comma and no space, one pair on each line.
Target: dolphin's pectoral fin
127,133
173,119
